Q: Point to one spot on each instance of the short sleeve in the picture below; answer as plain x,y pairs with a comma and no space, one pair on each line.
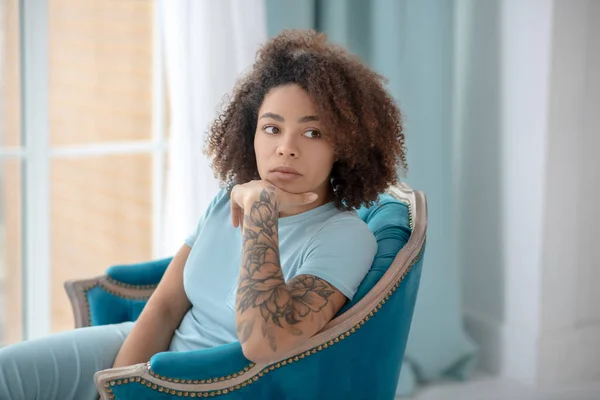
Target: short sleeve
341,253
191,239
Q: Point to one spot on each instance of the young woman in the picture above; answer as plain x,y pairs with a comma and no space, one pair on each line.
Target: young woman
309,135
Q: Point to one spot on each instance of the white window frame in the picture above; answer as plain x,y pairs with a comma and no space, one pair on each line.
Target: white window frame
36,155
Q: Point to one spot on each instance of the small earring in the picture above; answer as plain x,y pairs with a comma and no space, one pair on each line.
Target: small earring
335,185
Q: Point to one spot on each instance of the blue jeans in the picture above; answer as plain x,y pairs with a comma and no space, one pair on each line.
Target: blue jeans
60,366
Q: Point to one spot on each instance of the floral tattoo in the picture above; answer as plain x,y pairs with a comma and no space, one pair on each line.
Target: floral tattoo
261,283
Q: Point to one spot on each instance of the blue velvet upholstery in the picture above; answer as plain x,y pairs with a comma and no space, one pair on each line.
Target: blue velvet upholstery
364,364
107,308
389,222
147,273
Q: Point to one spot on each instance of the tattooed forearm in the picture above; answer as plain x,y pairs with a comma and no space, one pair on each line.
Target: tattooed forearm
261,284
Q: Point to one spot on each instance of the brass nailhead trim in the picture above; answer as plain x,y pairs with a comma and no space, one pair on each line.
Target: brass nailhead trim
129,286
111,292
203,381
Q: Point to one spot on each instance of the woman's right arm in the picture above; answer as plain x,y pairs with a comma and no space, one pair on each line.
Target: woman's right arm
156,325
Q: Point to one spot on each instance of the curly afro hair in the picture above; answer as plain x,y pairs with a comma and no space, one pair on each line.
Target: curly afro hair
360,119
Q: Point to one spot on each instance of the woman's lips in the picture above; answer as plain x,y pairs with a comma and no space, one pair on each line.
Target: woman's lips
285,173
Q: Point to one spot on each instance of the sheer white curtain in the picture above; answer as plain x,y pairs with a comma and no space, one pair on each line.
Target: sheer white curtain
207,44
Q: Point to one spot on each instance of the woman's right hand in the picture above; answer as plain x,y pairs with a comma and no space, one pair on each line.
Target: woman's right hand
263,193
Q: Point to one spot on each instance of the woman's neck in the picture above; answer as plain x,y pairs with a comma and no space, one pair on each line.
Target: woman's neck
324,198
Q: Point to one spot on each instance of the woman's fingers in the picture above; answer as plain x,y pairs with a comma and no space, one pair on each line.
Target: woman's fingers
284,199
236,212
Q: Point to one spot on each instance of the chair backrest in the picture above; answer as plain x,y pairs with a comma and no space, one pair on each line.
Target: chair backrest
390,221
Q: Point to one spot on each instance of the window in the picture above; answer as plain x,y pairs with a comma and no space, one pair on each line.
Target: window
11,213
100,150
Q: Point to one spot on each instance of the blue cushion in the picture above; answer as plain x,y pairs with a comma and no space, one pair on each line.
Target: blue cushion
107,308
388,219
145,273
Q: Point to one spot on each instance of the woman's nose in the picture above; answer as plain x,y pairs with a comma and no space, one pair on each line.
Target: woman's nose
287,148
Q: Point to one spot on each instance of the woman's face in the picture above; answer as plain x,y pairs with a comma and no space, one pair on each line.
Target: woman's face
291,151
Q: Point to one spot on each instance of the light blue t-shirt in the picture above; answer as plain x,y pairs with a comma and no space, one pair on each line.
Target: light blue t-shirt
334,245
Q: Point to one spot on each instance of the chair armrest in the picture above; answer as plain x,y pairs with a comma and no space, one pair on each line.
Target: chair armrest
170,370
116,297
205,366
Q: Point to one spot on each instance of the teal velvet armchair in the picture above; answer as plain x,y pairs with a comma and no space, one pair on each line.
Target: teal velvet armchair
358,355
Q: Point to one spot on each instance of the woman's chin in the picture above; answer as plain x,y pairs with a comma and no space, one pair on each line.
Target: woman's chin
289,187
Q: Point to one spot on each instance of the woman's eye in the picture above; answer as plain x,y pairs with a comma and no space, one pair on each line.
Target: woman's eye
312,134
271,130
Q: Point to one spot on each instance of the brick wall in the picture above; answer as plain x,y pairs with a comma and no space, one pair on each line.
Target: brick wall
100,90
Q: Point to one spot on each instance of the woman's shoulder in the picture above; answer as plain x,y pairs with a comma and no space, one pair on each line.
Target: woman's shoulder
342,244
222,196
347,225
220,201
